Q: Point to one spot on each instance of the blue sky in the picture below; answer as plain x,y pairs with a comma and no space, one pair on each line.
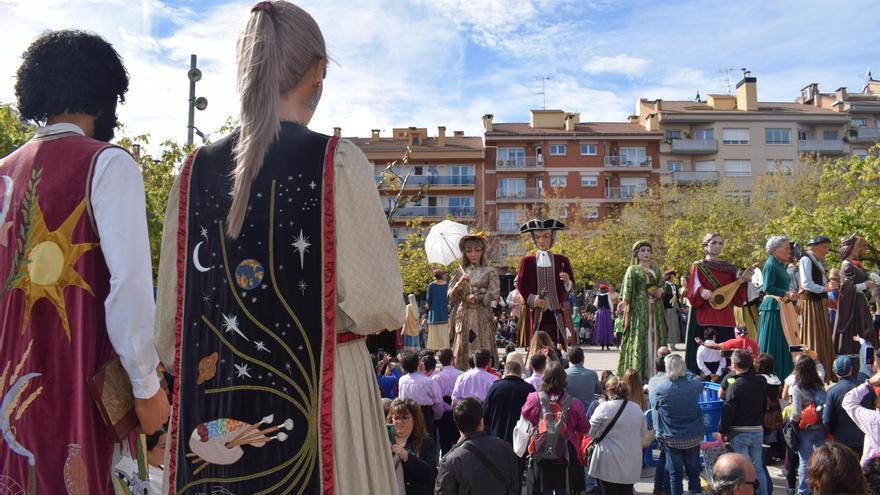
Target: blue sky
447,62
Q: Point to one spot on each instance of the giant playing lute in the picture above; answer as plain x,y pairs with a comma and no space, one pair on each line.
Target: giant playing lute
722,296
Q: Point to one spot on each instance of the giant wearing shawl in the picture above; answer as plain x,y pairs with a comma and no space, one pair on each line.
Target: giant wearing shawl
644,326
853,317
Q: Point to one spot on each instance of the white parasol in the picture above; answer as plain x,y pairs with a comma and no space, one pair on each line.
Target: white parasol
441,244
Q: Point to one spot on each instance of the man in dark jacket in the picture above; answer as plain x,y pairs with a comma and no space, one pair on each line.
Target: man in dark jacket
837,422
504,401
742,418
478,464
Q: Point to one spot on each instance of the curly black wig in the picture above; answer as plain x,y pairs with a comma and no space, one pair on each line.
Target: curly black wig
74,72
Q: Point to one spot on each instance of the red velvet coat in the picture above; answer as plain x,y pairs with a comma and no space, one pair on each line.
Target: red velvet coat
707,316
527,285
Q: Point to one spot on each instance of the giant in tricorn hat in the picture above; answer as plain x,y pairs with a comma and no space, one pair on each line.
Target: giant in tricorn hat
541,224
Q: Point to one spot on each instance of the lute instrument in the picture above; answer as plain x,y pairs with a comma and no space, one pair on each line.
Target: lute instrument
722,296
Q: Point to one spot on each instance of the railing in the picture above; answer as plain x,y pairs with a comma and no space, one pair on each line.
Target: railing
436,211
694,146
528,193
527,162
623,193
868,134
625,162
696,177
821,146
438,180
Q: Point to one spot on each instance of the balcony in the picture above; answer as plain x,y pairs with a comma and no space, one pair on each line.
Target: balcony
528,164
824,146
623,193
517,195
700,177
625,163
435,211
466,181
866,134
694,146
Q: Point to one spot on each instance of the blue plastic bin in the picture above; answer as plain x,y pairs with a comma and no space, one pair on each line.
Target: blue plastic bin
710,408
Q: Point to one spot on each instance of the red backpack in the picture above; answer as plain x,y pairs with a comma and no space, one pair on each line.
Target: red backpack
548,439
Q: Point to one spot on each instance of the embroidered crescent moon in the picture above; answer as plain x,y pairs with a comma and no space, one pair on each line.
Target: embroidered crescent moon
5,202
196,262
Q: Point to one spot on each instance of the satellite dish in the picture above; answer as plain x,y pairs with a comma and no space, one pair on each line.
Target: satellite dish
201,103
194,75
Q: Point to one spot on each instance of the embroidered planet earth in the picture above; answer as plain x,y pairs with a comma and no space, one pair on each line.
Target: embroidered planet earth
249,274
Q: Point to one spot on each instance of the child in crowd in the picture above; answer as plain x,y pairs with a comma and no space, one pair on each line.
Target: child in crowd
538,363
710,361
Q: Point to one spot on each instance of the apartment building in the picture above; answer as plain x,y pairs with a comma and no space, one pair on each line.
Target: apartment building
599,166
737,137
450,166
862,109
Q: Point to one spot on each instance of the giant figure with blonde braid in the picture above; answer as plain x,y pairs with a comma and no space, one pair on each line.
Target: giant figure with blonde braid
277,259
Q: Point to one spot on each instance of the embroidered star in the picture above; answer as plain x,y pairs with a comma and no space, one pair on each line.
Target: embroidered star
312,185
301,245
230,324
302,287
203,232
287,365
242,370
261,346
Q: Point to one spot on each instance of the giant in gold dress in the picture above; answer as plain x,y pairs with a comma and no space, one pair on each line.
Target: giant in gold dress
474,322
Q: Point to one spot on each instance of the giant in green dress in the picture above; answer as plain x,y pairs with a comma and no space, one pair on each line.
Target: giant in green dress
771,338
645,328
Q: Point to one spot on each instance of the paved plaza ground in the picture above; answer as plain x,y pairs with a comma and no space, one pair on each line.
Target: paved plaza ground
598,360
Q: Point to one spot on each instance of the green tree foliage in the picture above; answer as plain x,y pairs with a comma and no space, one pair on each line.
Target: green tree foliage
14,132
414,266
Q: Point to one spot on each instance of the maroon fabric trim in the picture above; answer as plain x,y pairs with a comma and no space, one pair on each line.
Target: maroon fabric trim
329,240
346,337
182,217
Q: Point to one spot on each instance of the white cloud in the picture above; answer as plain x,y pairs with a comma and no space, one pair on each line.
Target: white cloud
617,64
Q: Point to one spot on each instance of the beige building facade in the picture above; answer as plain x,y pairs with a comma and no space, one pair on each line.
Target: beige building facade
862,109
737,138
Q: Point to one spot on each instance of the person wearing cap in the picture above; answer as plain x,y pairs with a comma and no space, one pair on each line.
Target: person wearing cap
474,290
438,312
544,280
814,287
837,422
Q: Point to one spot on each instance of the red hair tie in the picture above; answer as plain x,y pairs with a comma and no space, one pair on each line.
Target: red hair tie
265,7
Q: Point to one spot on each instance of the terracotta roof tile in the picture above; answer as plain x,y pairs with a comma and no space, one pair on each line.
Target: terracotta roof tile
584,130
453,143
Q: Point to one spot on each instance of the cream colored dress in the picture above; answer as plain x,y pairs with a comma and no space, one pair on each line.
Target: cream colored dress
474,321
368,300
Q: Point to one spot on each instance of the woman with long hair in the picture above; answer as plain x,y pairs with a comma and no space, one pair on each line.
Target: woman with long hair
541,343
644,327
834,470
603,333
276,259
807,397
413,448
634,386
474,290
547,476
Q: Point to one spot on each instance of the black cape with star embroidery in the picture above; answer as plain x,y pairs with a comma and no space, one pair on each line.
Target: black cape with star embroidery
251,338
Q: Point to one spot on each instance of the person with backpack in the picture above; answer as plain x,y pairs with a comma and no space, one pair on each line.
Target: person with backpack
557,418
807,402
618,429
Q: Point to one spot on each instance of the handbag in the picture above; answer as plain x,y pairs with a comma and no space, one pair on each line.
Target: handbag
591,449
522,432
791,434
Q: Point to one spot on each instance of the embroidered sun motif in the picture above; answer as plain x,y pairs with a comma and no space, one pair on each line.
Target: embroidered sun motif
49,265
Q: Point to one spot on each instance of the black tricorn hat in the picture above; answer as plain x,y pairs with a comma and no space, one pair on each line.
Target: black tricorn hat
541,224
819,239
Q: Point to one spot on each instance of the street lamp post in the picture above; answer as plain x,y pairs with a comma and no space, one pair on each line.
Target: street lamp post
194,75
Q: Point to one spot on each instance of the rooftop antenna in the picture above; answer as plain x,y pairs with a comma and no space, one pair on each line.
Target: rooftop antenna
726,77
746,72
543,91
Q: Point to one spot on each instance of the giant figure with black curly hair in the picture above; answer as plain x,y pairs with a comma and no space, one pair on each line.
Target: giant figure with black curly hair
75,278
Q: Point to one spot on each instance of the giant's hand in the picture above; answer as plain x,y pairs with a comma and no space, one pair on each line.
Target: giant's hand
706,294
152,413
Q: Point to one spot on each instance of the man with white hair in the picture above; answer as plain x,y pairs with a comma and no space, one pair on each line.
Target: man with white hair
679,423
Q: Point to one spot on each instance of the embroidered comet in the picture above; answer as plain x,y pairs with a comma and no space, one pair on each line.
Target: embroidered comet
230,324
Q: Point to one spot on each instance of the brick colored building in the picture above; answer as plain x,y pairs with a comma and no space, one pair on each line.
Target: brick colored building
600,166
451,165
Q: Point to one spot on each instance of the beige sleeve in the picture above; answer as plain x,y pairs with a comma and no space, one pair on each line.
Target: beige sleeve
369,288
166,294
